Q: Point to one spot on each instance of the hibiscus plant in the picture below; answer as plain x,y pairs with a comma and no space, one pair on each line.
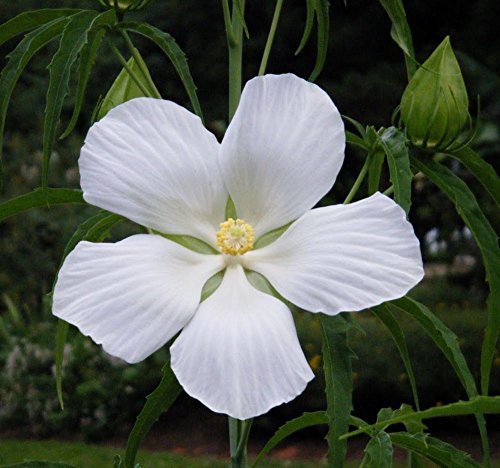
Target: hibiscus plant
231,238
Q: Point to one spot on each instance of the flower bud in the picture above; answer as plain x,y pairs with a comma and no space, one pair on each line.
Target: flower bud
125,5
434,106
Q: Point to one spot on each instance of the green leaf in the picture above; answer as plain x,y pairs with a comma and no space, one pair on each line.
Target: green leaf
87,59
477,405
29,20
39,198
167,43
487,240
337,365
156,403
395,146
323,19
94,229
378,451
400,32
191,243
61,335
124,88
353,139
447,342
310,12
384,314
294,425
73,39
439,452
482,170
18,59
375,170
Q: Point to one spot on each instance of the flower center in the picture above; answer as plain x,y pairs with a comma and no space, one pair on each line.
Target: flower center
235,237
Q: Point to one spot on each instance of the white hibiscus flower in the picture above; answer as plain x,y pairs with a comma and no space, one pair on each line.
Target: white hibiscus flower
153,162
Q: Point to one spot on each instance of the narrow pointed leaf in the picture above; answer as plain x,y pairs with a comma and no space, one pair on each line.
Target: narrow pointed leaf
487,240
477,405
323,21
87,59
355,140
378,451
73,39
447,342
29,20
395,146
39,198
384,314
94,229
294,425
377,159
480,169
439,452
61,335
167,43
337,365
124,88
310,12
156,403
400,32
18,59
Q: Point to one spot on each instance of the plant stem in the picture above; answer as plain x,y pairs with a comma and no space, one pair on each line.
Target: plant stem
358,182
129,70
238,438
235,46
140,63
270,37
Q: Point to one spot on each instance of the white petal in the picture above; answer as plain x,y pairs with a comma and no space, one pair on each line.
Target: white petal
282,150
240,354
343,257
153,162
132,296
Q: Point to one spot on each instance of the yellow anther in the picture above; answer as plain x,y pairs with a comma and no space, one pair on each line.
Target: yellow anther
235,237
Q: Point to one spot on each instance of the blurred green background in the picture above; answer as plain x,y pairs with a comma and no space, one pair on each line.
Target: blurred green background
365,75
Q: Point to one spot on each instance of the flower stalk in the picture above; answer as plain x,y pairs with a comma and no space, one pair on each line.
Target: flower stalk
270,37
234,32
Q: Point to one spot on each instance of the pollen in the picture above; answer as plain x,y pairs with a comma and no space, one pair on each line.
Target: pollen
235,237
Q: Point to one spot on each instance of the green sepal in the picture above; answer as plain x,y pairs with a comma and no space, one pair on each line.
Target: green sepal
271,236
124,88
211,285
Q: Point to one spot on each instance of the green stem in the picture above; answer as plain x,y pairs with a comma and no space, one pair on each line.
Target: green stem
238,437
270,37
389,191
358,182
235,46
131,72
227,23
140,63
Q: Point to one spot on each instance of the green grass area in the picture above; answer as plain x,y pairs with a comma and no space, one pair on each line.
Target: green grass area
94,456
